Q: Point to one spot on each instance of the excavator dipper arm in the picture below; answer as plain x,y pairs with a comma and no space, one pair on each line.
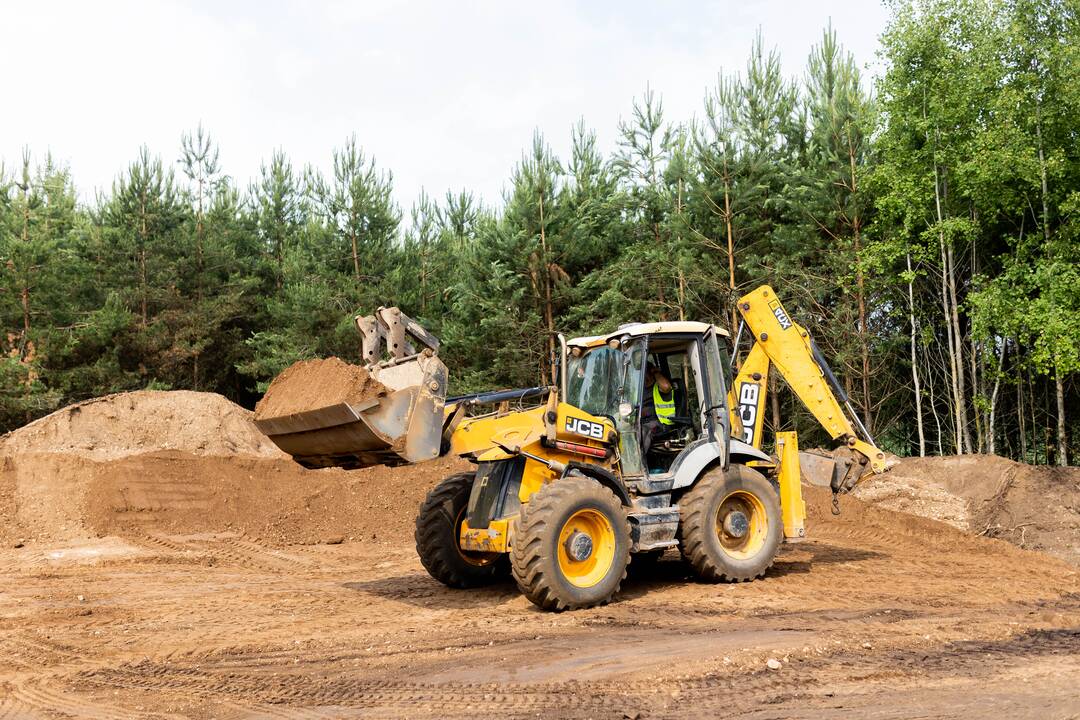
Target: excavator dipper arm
781,342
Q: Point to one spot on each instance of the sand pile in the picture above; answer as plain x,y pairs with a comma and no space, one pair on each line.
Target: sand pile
150,463
125,424
1034,507
278,502
314,384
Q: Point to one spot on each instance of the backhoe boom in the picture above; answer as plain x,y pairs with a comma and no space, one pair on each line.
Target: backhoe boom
781,342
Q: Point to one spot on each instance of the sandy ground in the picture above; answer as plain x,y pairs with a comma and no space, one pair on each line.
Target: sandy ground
160,559
871,617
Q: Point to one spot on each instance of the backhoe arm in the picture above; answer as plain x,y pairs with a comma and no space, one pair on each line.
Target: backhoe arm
783,343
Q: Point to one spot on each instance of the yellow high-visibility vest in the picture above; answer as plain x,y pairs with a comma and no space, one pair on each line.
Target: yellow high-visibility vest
665,409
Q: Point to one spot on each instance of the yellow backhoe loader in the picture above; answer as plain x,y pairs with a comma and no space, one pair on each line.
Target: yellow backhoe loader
563,492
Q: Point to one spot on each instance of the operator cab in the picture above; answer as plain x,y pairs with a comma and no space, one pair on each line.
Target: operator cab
663,439
609,376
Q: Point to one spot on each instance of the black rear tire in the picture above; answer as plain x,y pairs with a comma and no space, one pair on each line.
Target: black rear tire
438,528
544,534
719,549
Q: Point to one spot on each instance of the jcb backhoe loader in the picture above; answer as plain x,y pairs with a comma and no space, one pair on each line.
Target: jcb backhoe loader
562,494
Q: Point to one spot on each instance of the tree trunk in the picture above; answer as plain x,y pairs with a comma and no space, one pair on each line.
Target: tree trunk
1020,414
860,286
143,281
954,318
682,295
915,364
545,277
24,295
990,439
1059,392
956,366
977,390
933,408
1048,446
26,347
954,387
199,270
864,345
730,247
1042,172
946,310
355,254
1034,424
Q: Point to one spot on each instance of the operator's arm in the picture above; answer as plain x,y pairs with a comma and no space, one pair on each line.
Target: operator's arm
663,383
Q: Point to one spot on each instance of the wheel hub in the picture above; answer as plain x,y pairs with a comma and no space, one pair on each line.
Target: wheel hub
579,546
736,524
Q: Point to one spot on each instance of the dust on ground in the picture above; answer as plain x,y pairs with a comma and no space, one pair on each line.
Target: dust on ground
315,384
203,599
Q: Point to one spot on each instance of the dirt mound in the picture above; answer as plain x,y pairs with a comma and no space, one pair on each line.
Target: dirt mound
116,426
314,384
59,497
1034,507
148,463
275,501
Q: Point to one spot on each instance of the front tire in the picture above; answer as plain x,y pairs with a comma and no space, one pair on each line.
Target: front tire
438,532
731,525
571,545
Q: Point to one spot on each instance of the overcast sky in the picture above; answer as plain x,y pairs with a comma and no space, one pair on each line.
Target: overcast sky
444,94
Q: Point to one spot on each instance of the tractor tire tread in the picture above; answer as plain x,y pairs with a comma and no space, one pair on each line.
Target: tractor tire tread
696,524
527,553
431,542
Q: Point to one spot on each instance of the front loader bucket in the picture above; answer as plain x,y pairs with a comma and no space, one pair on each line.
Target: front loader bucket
401,425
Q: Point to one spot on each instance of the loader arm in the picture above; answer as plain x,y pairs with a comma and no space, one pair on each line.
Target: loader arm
782,343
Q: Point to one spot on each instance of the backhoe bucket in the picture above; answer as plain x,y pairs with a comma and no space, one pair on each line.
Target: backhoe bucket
841,470
817,468
400,423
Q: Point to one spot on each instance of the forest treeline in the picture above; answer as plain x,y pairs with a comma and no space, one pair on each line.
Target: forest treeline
925,226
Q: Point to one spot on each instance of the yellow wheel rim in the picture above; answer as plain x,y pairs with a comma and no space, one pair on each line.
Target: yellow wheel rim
480,559
741,524
586,548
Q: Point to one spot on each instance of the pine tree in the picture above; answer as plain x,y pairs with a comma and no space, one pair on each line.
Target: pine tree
37,216
720,193
359,211
838,208
280,212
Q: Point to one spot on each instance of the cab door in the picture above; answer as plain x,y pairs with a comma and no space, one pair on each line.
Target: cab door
717,374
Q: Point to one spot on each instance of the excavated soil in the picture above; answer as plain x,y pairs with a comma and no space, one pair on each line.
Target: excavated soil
187,462
1035,507
315,384
192,591
125,424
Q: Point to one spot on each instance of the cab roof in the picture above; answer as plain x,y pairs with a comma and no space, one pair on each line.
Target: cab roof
653,328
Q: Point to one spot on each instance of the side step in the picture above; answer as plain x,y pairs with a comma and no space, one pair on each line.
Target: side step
654,528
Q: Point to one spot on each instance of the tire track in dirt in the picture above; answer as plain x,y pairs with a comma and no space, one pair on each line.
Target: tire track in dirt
318,680
42,698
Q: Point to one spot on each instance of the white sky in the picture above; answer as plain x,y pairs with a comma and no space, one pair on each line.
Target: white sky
445,94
